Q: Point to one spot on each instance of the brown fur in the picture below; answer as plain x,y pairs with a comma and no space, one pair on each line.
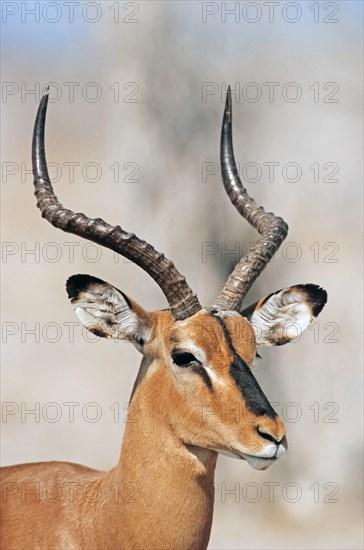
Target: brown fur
160,494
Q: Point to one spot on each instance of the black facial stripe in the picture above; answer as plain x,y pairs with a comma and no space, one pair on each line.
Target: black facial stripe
253,395
243,377
198,369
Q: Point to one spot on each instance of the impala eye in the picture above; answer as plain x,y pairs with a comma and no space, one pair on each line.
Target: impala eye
183,358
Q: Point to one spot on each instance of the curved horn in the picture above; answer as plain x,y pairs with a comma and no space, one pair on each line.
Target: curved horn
273,229
181,299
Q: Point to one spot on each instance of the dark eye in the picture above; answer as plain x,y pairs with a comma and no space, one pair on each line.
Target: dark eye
183,358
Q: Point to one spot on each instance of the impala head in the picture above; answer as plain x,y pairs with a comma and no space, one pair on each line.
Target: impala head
197,363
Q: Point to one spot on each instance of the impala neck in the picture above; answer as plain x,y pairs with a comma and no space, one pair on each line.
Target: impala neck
166,490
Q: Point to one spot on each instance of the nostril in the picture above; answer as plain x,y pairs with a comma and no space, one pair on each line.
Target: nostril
267,435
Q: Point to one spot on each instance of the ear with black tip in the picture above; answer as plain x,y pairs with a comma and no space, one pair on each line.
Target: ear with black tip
282,316
108,312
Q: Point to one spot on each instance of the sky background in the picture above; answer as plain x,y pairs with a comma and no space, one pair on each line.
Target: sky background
133,128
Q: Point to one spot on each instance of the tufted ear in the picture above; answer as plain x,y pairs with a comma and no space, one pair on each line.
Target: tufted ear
282,316
107,312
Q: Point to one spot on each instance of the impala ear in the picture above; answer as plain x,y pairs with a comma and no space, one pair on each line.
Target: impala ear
282,316
107,312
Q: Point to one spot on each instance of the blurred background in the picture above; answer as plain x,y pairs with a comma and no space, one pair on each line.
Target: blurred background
136,102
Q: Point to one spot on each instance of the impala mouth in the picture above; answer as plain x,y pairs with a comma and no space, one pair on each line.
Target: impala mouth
257,462
261,461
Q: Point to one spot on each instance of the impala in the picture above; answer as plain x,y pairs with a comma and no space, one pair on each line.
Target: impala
195,394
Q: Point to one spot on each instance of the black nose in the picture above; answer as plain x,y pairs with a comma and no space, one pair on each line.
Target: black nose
269,436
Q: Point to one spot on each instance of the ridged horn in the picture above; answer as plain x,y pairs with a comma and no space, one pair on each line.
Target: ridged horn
181,299
273,229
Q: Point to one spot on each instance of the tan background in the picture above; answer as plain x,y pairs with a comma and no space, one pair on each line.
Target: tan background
166,56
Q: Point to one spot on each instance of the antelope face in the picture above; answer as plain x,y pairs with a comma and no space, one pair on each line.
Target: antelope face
198,359
210,356
200,368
